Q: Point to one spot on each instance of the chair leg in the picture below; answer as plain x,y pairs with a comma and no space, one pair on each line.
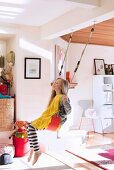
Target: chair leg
80,123
58,134
93,125
102,126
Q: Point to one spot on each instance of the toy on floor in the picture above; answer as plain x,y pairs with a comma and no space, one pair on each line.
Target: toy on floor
21,130
5,159
7,152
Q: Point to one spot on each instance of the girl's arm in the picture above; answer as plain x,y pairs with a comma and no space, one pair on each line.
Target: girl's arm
66,104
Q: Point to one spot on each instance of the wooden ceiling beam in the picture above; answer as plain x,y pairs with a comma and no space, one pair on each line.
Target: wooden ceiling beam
102,35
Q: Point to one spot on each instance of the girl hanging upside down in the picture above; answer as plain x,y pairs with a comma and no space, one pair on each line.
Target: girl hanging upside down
59,105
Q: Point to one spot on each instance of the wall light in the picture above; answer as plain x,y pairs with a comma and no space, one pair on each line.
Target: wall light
15,1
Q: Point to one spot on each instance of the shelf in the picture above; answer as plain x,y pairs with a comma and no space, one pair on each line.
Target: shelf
103,97
108,104
109,118
104,75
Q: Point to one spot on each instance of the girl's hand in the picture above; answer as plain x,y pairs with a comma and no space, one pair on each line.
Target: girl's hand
64,98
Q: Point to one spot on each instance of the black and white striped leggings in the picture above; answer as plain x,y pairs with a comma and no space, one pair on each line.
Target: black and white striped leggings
33,138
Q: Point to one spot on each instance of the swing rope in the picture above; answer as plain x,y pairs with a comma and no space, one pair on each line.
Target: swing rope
88,42
70,39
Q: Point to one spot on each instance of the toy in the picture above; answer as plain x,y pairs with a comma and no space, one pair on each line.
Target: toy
21,129
20,139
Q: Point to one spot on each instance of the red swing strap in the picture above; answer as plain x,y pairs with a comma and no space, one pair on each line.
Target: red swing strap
55,123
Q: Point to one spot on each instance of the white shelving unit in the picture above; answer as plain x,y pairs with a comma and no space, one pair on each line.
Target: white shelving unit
103,103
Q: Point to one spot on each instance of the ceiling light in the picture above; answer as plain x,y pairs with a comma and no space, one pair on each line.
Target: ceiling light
7,17
11,9
8,13
15,1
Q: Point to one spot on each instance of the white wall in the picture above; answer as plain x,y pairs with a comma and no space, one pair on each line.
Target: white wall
2,47
84,75
32,94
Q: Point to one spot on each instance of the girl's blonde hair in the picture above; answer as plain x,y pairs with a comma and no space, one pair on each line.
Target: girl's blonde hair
64,89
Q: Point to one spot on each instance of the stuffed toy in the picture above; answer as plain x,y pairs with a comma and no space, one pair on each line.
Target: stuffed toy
21,129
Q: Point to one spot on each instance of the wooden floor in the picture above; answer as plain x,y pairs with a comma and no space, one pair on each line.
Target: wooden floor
79,164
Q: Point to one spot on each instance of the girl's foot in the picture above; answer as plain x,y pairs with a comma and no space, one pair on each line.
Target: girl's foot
30,155
36,157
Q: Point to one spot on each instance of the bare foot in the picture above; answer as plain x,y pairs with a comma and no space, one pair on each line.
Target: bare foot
36,156
30,155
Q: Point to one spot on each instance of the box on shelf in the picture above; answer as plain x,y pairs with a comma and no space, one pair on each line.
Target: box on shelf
107,87
107,97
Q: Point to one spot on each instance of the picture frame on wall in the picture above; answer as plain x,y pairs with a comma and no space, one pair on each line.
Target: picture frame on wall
108,69
112,65
32,69
99,66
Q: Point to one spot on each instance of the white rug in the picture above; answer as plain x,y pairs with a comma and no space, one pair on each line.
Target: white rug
45,162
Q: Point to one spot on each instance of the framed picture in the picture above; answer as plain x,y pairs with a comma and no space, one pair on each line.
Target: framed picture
32,68
108,69
112,65
99,66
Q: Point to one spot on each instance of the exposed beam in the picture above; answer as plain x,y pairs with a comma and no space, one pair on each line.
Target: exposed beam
87,2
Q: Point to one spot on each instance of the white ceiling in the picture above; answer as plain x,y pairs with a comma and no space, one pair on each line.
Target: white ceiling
35,12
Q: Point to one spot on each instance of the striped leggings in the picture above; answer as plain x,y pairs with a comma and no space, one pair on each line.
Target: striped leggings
33,138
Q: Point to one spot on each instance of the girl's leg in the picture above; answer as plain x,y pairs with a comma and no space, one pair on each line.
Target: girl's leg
31,146
36,157
30,154
32,135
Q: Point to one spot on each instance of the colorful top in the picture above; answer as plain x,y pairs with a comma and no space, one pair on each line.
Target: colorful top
43,121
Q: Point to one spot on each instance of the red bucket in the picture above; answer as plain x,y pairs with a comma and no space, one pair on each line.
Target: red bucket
21,146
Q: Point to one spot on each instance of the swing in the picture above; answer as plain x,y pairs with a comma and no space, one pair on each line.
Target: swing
55,121
70,39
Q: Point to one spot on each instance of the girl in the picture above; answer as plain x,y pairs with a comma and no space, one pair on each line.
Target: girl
58,104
